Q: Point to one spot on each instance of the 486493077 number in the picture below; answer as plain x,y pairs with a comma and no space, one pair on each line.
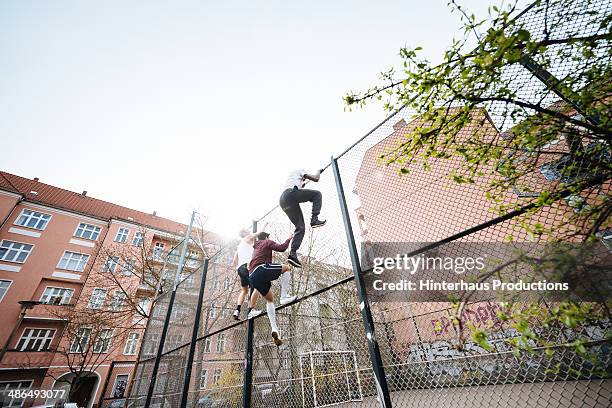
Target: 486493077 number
19,394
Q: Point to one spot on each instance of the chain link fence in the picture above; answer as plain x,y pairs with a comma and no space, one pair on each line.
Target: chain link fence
341,349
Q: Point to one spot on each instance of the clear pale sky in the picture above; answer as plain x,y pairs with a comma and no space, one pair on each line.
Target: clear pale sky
181,105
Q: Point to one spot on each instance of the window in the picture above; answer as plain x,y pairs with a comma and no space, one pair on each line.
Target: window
151,344
138,238
56,296
207,343
203,378
143,305
212,313
192,260
158,250
120,386
97,298
189,282
131,344
122,235
221,343
162,379
4,287
363,224
186,281
111,264
117,300
12,251
6,386
159,311
217,375
284,358
73,261
168,275
226,283
180,314
149,279
103,341
33,219
35,340
87,231
574,167
577,203
129,267
215,282
605,236
80,342
173,341
554,170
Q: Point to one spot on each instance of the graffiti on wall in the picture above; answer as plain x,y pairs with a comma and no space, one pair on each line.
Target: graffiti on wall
480,316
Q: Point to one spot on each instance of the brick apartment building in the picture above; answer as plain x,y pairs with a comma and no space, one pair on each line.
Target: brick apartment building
427,206
63,256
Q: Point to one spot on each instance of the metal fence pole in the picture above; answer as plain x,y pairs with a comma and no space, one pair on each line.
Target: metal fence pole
377,365
248,357
554,84
164,332
194,336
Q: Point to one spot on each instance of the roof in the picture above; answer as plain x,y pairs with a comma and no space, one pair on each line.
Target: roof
401,129
35,191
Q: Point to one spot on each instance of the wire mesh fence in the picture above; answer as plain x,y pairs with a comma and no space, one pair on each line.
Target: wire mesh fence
428,353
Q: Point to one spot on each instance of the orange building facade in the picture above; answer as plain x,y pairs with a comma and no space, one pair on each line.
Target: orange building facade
54,247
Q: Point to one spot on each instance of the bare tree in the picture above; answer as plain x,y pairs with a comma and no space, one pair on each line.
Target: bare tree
120,289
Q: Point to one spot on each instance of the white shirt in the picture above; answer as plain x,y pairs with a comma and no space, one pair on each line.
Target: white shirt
245,252
296,178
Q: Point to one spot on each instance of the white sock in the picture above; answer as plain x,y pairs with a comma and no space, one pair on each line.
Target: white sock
272,315
285,284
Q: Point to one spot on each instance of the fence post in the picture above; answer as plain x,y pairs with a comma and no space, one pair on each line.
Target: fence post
162,338
366,314
248,357
194,336
555,85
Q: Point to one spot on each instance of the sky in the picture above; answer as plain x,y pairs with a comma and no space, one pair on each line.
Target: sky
174,106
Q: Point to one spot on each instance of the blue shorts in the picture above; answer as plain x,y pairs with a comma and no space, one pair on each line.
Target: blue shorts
261,278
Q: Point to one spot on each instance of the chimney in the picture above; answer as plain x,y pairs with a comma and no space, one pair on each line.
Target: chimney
154,213
399,124
84,193
35,178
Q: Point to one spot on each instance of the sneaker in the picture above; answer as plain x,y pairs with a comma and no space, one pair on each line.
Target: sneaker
293,260
316,223
276,338
287,299
236,314
253,313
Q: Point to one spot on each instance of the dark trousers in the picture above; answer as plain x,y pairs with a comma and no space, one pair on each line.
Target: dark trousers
290,203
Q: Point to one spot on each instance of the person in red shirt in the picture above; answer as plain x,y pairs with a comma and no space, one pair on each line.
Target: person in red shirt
261,274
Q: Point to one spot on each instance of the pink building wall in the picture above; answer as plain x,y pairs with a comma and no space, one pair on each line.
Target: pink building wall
30,278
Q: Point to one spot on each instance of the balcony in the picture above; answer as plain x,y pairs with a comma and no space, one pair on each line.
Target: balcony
27,359
157,256
146,288
173,259
56,312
